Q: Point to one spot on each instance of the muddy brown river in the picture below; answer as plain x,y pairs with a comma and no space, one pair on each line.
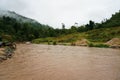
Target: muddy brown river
47,62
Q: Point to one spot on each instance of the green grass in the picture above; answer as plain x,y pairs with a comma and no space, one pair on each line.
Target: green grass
100,45
96,37
44,40
103,35
61,39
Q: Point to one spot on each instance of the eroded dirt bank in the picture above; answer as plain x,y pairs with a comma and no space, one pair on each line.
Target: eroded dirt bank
47,62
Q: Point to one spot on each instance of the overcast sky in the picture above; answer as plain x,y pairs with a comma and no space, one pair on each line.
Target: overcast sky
55,12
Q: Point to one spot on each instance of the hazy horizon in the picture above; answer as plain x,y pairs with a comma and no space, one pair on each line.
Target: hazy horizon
55,12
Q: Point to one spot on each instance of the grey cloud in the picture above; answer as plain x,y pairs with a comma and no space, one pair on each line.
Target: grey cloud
55,12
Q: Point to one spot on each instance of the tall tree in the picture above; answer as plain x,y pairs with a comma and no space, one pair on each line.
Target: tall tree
63,26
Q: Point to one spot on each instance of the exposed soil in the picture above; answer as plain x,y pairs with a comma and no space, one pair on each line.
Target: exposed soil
82,42
47,62
115,42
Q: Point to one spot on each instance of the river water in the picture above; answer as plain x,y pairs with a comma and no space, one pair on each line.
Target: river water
47,62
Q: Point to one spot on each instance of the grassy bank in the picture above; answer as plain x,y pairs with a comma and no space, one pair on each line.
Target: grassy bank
96,38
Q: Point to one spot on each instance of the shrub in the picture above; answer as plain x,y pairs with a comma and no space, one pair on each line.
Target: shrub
54,43
72,44
36,41
49,43
90,44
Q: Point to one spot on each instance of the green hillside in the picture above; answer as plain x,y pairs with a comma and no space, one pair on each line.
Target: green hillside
103,34
19,31
97,35
114,21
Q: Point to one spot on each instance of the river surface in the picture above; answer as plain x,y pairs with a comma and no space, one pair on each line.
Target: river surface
47,62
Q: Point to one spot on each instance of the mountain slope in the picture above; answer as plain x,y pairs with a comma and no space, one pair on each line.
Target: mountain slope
16,16
20,28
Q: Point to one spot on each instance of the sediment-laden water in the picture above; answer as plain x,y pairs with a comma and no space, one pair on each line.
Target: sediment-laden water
47,62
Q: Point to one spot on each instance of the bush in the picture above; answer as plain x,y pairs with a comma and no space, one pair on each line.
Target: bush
48,42
90,44
54,43
36,41
72,44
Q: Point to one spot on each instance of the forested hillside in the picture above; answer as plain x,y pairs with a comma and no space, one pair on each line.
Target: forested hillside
15,29
113,21
10,27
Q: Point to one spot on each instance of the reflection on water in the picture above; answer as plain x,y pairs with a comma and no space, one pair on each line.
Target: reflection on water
43,62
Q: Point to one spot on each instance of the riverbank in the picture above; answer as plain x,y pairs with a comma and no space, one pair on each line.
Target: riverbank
6,52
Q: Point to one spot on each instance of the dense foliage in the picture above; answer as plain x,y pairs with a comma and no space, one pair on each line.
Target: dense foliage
10,27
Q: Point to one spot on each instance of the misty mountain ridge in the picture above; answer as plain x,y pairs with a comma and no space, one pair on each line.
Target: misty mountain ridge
18,17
